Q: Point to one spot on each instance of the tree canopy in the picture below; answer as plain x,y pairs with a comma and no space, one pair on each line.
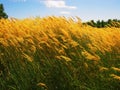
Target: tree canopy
102,23
2,13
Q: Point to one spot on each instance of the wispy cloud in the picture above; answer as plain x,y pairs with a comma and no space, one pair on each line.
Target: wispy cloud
64,12
58,4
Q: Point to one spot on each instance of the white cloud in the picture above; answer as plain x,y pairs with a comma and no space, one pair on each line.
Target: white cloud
64,12
58,4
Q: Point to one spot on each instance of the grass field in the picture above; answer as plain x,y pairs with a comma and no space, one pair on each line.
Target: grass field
58,53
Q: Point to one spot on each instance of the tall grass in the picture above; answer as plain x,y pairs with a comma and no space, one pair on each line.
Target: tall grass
58,53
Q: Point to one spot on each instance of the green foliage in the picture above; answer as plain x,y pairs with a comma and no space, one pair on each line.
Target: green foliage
102,23
2,13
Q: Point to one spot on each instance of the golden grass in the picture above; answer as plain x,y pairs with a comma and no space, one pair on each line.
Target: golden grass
42,40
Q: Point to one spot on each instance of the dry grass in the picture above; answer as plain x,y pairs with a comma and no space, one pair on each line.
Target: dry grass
35,48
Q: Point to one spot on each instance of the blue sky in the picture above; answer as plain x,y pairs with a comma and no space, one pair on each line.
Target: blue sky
85,9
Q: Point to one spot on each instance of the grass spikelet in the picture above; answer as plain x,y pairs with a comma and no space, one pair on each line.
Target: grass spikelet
115,76
42,85
116,69
63,58
103,69
27,57
89,56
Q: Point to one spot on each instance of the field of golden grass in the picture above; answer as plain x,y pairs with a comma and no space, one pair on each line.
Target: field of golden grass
58,53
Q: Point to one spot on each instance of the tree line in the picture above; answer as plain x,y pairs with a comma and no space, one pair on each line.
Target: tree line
102,23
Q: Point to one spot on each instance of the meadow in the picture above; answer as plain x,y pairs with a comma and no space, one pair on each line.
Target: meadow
58,53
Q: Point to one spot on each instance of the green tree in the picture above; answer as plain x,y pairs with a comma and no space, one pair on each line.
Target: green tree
98,24
92,23
103,23
2,13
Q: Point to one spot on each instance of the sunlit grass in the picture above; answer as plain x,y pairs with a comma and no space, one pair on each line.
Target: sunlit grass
58,53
